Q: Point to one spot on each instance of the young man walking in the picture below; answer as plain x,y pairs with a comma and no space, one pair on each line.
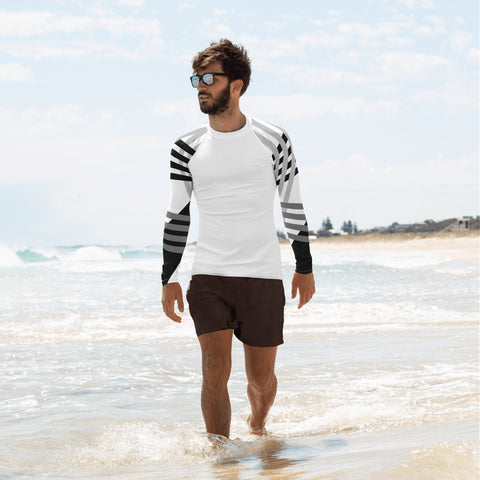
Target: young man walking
234,165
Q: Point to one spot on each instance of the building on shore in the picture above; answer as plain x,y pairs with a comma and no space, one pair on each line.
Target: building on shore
463,223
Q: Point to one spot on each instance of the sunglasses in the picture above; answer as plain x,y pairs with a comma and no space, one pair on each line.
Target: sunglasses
206,78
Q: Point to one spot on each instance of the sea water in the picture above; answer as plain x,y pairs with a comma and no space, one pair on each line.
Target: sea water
378,376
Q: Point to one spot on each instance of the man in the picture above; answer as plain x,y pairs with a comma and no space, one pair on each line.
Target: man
233,165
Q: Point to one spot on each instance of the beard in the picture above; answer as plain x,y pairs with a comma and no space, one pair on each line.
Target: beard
219,105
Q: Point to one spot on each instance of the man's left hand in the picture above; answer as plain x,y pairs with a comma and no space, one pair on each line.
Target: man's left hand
304,283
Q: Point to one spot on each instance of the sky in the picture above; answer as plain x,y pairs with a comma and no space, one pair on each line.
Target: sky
379,97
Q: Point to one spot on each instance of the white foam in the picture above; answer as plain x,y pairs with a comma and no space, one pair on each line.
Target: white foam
94,253
8,258
134,443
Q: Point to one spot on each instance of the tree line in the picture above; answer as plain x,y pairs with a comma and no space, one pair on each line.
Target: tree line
348,226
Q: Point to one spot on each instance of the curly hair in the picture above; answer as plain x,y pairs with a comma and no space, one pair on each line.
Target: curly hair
233,58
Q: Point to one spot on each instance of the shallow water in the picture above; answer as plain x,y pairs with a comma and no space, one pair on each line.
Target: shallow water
378,377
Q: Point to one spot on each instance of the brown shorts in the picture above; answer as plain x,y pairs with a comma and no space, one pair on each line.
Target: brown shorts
252,307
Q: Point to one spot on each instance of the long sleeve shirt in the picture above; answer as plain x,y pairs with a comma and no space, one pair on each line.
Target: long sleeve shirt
234,177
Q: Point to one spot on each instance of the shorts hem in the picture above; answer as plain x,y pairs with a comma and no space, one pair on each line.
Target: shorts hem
257,344
213,330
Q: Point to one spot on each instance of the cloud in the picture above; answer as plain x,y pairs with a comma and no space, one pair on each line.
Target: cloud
276,26
36,23
460,41
462,94
35,30
13,72
267,48
424,4
369,31
32,23
75,159
218,12
131,3
185,6
303,106
183,108
53,119
473,54
214,30
40,50
312,77
406,63
360,172
321,39
380,34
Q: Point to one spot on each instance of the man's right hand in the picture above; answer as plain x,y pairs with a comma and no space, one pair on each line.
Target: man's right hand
170,293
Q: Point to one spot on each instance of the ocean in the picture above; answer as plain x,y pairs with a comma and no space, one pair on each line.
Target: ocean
378,378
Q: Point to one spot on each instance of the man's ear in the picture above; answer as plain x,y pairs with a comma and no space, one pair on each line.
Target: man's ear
237,86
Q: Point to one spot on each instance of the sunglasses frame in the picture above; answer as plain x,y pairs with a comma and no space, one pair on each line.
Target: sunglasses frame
200,78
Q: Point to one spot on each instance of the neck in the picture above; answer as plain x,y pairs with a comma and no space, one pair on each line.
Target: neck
230,120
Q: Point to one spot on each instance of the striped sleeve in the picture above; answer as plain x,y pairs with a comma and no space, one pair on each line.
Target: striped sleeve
177,220
286,177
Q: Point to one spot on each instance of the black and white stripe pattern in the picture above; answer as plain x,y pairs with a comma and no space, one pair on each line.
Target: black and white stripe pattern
177,223
181,154
176,230
285,171
295,221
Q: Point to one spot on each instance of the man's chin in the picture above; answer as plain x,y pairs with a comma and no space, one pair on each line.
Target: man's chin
205,109
212,109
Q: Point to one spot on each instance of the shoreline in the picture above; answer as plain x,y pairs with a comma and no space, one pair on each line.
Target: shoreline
460,245
393,237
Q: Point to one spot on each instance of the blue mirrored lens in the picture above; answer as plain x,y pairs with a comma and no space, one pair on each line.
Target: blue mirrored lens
195,81
207,78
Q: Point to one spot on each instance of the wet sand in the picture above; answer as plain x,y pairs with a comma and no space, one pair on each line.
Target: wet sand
455,245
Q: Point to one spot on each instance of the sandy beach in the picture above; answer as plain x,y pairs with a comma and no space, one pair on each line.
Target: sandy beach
458,245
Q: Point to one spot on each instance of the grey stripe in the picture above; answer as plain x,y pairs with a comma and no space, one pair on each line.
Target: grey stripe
265,128
295,227
175,238
174,226
190,139
173,249
295,216
279,163
292,205
176,216
271,147
283,154
292,175
194,135
299,238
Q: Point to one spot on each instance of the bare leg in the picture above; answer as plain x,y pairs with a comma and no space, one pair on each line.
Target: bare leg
216,366
262,384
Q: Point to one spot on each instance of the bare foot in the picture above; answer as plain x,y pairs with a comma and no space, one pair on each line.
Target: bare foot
260,431
217,439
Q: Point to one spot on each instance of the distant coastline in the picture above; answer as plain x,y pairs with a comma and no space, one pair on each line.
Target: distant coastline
448,228
394,236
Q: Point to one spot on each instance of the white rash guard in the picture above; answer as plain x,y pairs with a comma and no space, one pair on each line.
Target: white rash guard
234,176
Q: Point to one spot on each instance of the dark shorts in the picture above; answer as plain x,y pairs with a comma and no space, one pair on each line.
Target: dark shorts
252,307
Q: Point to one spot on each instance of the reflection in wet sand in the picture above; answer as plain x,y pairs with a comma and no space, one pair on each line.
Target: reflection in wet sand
262,458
